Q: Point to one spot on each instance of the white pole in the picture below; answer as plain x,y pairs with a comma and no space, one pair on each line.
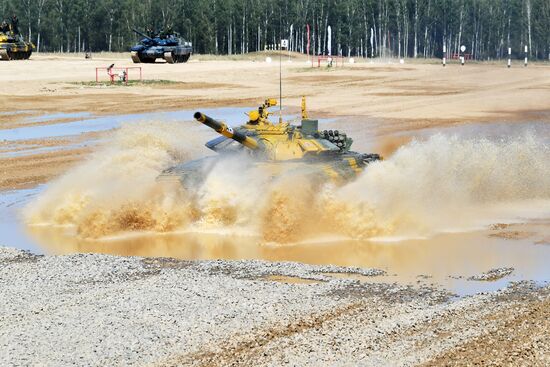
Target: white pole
509,56
329,31
444,55
525,61
372,46
290,41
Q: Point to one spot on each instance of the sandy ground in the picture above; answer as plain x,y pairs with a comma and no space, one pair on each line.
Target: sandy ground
410,92
399,97
29,166
100,310
29,171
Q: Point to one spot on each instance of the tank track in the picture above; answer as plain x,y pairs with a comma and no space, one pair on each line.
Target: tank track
175,59
7,55
135,57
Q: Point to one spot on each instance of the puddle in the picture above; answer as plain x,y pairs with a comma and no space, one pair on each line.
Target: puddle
290,280
459,285
231,115
446,260
55,116
13,232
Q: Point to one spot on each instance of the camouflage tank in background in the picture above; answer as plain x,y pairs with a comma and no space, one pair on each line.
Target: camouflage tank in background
165,45
277,149
12,44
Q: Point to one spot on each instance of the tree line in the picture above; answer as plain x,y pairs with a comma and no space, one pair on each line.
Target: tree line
367,28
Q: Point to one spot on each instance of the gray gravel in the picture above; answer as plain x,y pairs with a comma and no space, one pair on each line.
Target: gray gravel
99,310
493,274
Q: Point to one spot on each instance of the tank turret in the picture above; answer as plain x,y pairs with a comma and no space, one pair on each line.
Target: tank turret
281,141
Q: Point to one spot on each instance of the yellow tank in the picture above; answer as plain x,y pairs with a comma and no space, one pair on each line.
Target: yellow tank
13,47
279,147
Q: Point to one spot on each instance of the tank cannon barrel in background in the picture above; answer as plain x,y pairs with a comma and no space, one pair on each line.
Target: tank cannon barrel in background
226,131
142,34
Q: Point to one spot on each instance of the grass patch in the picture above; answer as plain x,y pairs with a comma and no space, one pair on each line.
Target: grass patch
326,69
131,83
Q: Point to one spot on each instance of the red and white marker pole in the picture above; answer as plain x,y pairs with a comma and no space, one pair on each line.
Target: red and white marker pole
525,61
509,56
444,55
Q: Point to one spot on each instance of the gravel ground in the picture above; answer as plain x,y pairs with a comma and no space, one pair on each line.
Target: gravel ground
98,310
493,274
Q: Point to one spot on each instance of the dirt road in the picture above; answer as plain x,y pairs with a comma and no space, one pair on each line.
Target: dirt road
415,92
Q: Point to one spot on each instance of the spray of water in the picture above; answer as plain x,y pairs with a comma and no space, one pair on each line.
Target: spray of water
448,182
115,189
441,183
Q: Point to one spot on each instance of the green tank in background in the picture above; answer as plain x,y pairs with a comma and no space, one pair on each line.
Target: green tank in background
12,44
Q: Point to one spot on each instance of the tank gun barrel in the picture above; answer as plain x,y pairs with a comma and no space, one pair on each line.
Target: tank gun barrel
227,131
142,34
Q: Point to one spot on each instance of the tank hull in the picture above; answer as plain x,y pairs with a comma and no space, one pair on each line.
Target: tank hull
15,51
344,168
171,54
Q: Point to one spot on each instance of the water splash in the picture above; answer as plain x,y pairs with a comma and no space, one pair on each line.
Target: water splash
115,189
448,182
445,182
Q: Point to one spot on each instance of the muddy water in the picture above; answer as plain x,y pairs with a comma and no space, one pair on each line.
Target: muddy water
445,260
454,254
13,232
93,124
